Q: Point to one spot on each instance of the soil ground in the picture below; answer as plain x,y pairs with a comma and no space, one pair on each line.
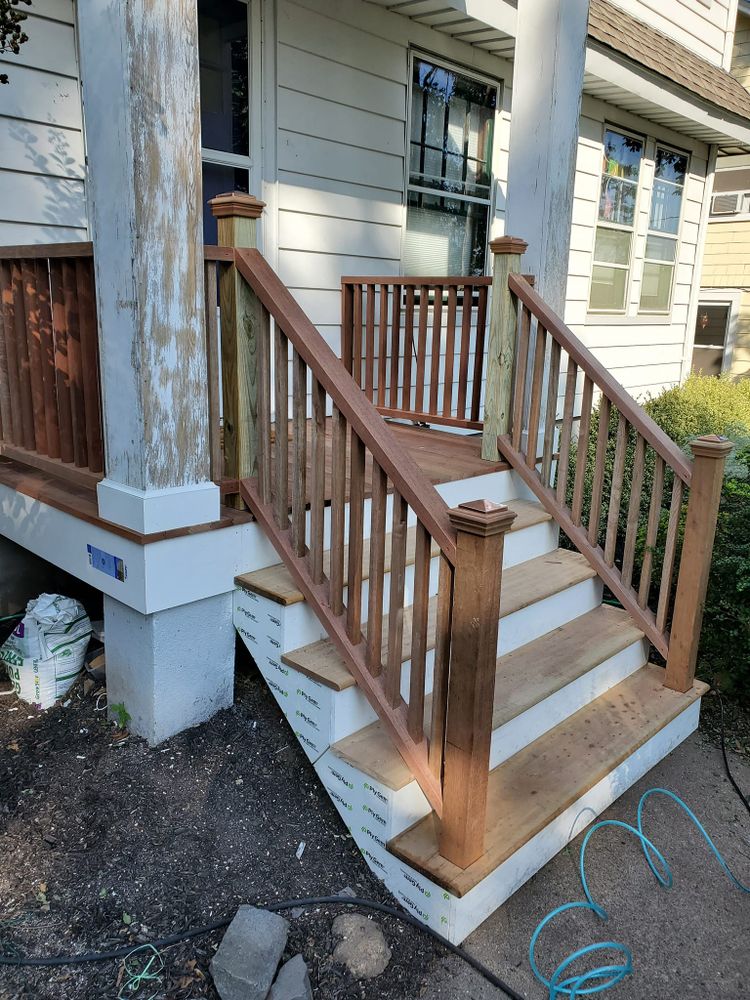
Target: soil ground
104,842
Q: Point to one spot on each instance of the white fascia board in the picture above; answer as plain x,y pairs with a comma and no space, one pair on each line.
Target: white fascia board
660,92
498,14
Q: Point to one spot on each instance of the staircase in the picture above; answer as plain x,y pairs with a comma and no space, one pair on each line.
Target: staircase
468,701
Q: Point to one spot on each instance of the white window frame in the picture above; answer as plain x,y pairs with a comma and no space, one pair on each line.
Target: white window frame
741,216
609,126
490,202
676,237
731,297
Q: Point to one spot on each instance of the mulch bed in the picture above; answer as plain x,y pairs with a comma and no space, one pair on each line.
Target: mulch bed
104,842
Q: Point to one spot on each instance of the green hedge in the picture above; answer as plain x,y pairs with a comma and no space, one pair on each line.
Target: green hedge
702,405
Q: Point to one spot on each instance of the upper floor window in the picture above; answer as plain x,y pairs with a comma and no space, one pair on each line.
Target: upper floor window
670,172
618,197
449,189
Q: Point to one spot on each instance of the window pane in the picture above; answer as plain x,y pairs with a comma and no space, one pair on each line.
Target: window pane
608,285
452,123
666,201
671,166
444,236
661,248
612,246
218,179
711,325
622,155
617,201
656,287
224,87
708,360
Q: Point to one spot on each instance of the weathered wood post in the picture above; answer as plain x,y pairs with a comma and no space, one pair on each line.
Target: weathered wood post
710,454
481,527
237,215
501,347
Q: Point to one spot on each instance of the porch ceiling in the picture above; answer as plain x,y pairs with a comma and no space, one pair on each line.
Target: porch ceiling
487,24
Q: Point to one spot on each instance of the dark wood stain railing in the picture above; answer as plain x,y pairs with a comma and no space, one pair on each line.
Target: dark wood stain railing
50,404
416,345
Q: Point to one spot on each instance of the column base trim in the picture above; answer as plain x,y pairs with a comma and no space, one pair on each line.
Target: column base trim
149,511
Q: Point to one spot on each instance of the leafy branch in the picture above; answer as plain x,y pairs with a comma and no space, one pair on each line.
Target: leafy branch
12,35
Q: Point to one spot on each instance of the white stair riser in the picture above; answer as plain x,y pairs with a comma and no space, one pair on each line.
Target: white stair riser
456,917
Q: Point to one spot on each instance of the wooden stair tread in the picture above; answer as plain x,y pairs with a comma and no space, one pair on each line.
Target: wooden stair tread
276,582
523,678
523,585
528,791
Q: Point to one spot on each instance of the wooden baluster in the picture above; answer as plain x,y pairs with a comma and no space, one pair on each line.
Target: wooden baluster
566,431
709,457
347,325
392,680
615,494
519,384
463,363
214,371
582,450
22,358
11,417
600,461
34,348
6,419
264,406
395,345
535,399
480,340
370,342
338,506
75,364
481,528
419,406
62,372
634,510
550,421
652,530
89,334
383,344
299,453
441,670
357,335
419,623
376,571
281,427
450,348
670,554
356,530
436,346
501,348
317,480
408,349
47,341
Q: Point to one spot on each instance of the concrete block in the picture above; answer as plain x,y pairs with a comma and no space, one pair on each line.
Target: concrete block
245,965
292,982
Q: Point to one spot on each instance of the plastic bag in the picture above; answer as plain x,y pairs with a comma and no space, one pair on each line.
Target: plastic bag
45,653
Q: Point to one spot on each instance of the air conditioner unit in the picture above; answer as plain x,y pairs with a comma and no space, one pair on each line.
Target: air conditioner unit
725,204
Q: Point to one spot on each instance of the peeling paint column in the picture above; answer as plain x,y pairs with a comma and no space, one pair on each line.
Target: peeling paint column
547,82
139,69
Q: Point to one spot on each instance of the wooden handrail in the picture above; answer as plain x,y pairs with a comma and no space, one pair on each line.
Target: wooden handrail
45,251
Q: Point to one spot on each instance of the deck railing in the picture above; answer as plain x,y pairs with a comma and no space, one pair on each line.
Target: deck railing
416,346
50,406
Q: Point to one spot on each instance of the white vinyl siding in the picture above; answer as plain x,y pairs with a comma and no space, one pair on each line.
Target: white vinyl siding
41,132
704,28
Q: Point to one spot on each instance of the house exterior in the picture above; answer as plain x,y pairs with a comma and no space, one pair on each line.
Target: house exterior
722,331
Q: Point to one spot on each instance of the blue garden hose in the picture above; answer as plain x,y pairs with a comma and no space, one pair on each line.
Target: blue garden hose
562,981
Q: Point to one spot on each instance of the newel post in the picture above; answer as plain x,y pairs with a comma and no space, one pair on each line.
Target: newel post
501,347
237,217
710,454
481,527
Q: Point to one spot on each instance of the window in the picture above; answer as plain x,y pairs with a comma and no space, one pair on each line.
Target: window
711,329
449,190
731,193
225,95
670,170
618,197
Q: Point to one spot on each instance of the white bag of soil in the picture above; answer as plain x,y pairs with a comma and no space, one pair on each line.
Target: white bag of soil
44,655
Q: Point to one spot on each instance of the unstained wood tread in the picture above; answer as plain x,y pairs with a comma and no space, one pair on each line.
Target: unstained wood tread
523,678
532,788
523,585
276,582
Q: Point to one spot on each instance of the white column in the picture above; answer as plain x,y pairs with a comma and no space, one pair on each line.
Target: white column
139,70
547,82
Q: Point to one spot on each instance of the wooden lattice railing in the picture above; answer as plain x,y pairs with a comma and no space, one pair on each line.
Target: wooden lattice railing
50,406
416,346
627,474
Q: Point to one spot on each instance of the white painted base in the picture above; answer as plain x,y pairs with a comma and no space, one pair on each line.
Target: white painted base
149,511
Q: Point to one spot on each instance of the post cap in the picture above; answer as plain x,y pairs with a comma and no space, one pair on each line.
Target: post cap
711,446
236,204
509,244
482,517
